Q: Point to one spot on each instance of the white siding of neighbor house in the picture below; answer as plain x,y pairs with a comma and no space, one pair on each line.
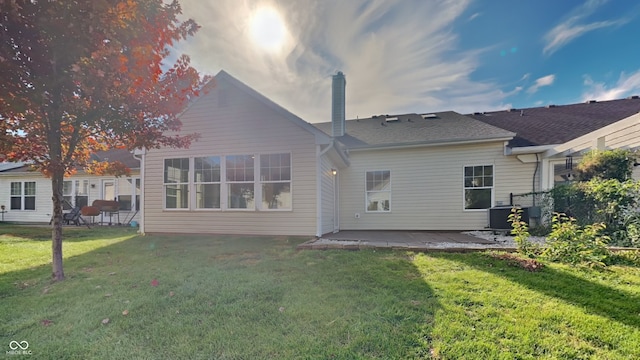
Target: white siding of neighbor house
235,123
44,205
427,186
328,195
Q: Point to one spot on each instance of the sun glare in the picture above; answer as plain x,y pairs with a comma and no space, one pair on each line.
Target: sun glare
267,29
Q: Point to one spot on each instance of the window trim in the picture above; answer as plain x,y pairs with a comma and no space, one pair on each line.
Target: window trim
23,195
224,184
261,182
164,185
493,187
194,183
366,192
256,173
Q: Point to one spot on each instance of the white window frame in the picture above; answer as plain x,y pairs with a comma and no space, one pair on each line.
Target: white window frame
227,183
165,184
492,187
194,183
366,193
261,182
23,195
73,193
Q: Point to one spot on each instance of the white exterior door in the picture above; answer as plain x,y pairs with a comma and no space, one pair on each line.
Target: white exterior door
108,190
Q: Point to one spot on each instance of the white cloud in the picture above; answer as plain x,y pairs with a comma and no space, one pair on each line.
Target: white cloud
576,25
540,82
397,56
474,16
626,85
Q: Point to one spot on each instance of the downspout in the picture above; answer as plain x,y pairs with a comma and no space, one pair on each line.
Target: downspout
533,187
535,173
319,154
141,159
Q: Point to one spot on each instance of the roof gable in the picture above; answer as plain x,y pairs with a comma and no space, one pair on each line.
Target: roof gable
558,124
414,129
223,76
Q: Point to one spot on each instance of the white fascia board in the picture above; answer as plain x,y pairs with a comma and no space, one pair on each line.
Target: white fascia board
427,144
529,149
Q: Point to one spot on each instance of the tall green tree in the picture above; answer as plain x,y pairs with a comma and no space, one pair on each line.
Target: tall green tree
82,76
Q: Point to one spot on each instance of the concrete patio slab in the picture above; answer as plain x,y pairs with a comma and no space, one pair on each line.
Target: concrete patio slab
407,240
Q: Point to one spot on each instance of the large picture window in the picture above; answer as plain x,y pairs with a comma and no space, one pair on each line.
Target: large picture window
378,191
23,195
275,176
240,181
176,183
207,182
478,187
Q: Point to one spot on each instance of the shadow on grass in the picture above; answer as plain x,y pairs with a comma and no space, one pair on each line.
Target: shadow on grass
240,297
69,233
594,298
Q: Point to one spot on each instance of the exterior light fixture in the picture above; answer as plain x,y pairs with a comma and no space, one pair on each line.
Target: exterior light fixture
334,172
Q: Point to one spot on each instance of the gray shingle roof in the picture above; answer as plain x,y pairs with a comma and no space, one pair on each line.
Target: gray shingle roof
559,124
122,155
413,129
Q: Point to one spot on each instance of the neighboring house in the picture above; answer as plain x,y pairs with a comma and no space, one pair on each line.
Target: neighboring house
26,193
557,135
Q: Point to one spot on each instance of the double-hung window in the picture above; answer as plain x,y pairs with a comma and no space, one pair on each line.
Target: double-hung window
176,183
23,195
82,193
67,195
478,187
378,191
240,181
206,179
275,176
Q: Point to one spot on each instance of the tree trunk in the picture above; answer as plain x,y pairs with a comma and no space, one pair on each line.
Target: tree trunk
56,233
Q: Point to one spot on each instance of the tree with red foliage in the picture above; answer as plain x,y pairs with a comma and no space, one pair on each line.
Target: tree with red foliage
81,76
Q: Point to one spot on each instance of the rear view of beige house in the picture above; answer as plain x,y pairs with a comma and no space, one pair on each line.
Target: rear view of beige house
259,169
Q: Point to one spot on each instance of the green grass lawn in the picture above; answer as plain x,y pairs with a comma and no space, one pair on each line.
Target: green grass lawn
222,297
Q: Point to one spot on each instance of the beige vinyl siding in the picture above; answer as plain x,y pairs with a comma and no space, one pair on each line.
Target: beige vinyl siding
236,124
427,186
624,138
328,196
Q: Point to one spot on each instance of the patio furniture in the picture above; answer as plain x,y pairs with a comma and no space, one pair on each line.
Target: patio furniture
90,211
107,207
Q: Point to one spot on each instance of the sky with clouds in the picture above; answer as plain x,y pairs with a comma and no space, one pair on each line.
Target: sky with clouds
420,56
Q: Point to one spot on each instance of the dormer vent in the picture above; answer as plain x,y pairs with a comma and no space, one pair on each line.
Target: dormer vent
429,116
392,119
512,110
591,101
633,97
551,106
